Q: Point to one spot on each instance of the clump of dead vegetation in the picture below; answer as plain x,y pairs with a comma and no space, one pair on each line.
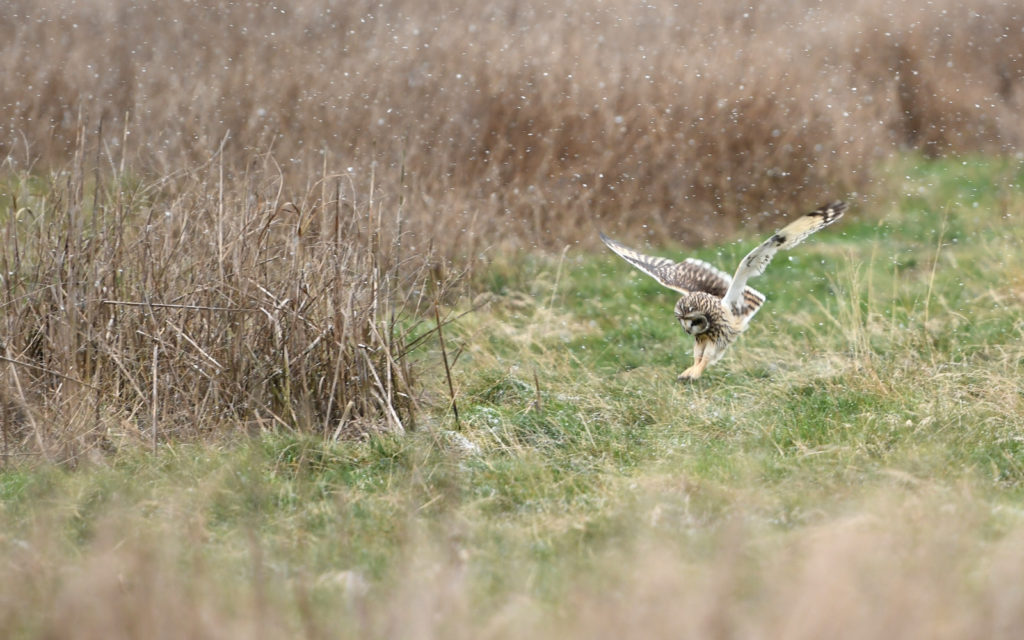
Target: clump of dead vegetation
170,308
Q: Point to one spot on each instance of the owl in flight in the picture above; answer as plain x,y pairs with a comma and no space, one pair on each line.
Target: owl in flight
715,309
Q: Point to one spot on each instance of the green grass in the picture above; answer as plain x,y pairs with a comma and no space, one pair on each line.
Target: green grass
881,384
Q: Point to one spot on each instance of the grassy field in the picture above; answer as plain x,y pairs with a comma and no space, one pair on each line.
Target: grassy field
853,468
306,329
235,217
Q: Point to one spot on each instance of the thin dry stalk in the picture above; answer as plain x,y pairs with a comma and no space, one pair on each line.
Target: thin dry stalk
155,400
444,361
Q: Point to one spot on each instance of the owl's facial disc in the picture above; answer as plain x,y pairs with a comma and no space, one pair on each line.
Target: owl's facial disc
694,323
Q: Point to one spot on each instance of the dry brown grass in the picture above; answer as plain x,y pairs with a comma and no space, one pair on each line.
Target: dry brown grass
906,564
178,308
522,121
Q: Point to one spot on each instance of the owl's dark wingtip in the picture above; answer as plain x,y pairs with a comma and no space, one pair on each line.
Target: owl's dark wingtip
831,212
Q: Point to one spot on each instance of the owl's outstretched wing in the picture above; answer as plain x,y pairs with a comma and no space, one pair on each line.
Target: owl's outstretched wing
689,276
788,237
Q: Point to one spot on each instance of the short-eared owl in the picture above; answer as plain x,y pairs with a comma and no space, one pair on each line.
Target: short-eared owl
715,308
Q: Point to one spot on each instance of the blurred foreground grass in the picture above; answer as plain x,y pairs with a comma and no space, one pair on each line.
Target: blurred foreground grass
853,467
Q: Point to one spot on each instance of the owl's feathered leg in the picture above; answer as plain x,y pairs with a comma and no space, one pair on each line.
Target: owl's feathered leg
693,372
704,352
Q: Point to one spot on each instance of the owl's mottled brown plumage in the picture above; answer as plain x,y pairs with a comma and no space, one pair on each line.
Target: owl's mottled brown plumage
715,308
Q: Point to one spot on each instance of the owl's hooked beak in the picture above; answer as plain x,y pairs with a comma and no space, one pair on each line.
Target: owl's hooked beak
694,323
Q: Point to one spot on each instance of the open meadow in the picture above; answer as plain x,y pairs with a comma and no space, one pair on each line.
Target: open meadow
306,329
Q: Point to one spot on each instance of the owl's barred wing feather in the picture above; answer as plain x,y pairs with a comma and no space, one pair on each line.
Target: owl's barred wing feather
788,237
658,268
689,276
702,276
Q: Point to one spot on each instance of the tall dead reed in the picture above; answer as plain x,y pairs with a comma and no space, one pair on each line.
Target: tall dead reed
170,308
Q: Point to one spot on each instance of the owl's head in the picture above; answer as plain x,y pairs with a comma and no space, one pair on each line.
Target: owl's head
696,313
